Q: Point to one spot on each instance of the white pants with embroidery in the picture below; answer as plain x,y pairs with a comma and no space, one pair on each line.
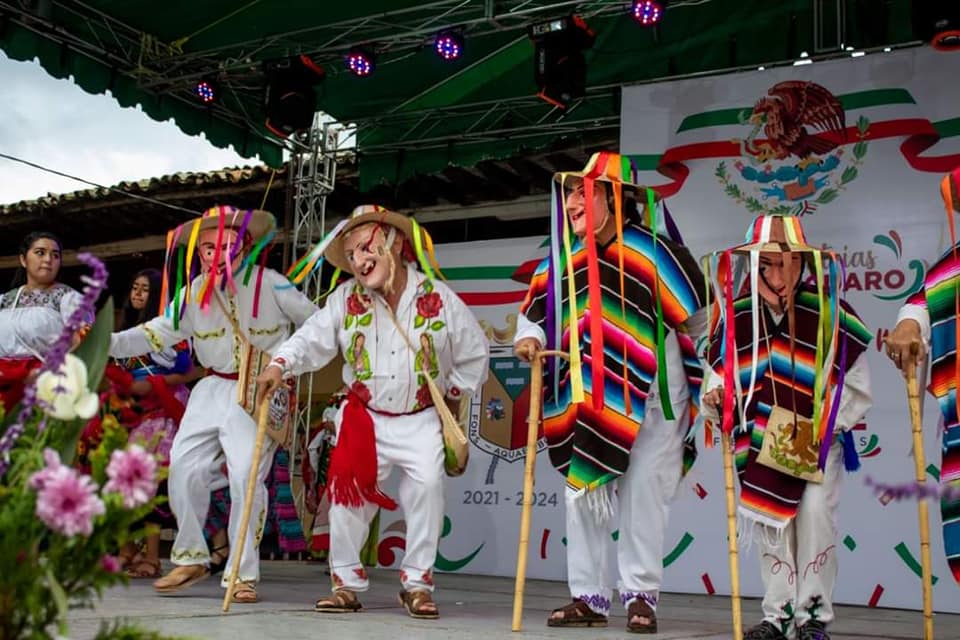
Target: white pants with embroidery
799,567
213,423
643,499
412,444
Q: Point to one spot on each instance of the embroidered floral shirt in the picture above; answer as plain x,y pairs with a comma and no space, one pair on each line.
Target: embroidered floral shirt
31,319
214,341
356,322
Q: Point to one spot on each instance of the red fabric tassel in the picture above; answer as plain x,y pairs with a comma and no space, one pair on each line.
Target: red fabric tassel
161,392
13,376
352,477
119,377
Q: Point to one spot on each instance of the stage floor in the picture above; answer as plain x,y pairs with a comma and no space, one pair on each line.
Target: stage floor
471,607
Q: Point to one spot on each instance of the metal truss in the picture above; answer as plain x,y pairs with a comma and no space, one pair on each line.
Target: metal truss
313,168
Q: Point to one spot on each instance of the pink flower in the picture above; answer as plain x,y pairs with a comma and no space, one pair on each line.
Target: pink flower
66,500
110,564
54,467
132,474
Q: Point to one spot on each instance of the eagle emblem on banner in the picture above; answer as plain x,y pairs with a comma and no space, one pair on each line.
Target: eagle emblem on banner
794,157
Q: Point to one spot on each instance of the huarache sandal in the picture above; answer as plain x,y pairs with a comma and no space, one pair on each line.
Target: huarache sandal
641,618
143,568
576,614
181,577
342,601
245,593
419,604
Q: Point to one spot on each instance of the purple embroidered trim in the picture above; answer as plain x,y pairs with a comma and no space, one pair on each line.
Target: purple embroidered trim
626,597
596,602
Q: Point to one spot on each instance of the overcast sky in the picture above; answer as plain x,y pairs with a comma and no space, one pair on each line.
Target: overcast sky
57,124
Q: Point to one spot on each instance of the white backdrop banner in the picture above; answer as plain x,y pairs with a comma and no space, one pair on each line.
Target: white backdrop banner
867,187
871,195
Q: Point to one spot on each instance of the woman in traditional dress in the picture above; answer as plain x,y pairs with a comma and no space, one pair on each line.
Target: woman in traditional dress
33,315
149,394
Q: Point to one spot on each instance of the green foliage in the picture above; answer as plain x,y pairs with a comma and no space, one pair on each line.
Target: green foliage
43,573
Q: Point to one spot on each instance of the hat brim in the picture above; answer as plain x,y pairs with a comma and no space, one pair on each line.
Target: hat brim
261,223
591,171
773,247
334,253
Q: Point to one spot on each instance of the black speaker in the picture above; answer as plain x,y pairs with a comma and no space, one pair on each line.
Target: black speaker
290,100
560,69
937,22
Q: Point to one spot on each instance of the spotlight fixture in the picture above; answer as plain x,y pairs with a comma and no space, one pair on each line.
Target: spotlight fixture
937,22
560,69
290,100
360,62
448,45
207,90
647,12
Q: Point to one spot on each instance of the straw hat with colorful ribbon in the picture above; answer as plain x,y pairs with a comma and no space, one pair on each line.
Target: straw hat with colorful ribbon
620,172
330,248
420,240
729,270
255,230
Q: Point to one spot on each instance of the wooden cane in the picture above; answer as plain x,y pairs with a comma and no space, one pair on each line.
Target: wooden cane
262,416
919,463
533,428
732,537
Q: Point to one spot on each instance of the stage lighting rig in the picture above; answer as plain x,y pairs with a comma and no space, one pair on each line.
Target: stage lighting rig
648,12
290,100
448,45
360,62
207,90
560,69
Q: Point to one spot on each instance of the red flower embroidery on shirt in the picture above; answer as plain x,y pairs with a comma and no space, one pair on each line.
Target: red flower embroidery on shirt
337,580
429,305
424,399
357,305
361,573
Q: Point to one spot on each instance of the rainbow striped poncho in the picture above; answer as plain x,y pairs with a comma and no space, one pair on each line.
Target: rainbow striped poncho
767,495
939,296
591,446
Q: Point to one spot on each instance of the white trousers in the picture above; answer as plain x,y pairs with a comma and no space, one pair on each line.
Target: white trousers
412,444
644,494
799,566
213,423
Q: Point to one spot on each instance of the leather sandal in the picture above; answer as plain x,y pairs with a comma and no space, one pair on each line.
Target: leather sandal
418,604
245,593
341,601
576,614
640,609
181,577
143,568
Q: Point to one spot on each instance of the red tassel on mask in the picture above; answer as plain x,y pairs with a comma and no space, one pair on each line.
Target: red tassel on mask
352,477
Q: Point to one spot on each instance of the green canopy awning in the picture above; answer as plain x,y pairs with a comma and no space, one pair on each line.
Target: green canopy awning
416,112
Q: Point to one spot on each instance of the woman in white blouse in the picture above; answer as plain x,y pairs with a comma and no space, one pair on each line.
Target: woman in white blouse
32,316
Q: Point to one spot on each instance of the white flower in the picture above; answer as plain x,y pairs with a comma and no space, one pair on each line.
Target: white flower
64,394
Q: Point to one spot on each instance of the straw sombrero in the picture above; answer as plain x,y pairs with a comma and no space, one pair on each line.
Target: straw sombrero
253,222
605,166
775,233
372,213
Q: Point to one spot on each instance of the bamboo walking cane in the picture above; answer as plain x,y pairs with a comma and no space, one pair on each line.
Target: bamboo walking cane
732,536
533,427
919,463
262,414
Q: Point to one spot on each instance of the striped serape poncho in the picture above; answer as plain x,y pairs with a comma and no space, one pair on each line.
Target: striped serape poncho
767,495
940,297
590,447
